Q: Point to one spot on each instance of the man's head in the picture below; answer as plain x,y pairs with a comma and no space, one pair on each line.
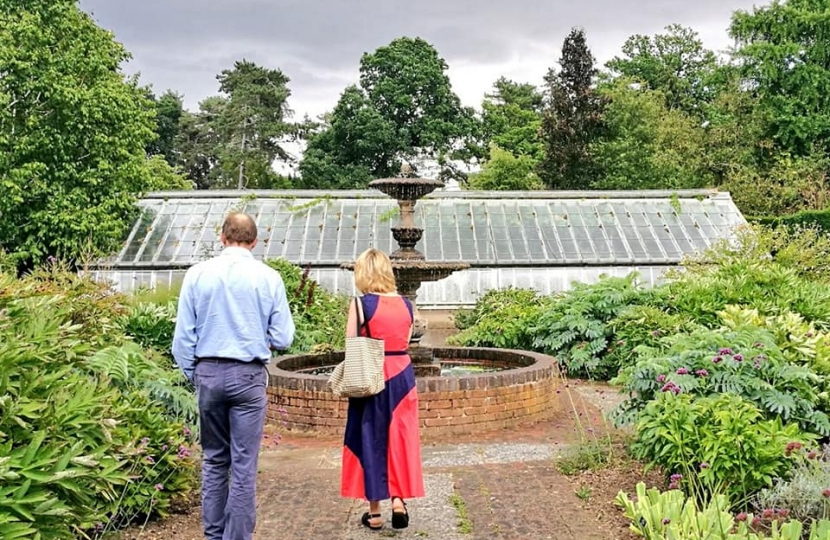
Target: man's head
239,230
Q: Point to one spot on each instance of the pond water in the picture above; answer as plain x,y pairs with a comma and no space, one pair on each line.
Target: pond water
448,369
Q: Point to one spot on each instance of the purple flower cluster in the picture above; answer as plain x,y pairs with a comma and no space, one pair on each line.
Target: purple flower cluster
670,387
674,481
183,452
702,373
682,371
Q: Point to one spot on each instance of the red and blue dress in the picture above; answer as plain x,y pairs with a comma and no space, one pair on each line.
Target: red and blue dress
382,447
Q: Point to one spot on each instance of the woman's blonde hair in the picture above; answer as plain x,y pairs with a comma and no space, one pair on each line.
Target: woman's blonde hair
373,272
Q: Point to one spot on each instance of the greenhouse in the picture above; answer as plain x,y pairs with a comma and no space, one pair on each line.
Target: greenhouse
544,240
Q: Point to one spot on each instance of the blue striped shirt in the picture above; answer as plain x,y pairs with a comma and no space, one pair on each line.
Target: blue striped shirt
231,306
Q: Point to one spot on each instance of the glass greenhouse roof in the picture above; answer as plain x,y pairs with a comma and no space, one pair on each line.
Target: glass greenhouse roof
325,229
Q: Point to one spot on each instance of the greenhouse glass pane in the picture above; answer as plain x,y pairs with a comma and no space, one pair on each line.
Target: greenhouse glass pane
466,231
450,235
548,233
533,234
498,228
516,232
431,240
481,234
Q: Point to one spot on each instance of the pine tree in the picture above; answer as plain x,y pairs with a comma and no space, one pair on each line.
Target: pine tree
572,119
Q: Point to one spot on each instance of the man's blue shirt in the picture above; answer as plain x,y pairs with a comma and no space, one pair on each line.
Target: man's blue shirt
231,306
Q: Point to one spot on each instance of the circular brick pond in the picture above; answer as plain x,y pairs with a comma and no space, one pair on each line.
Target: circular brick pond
461,390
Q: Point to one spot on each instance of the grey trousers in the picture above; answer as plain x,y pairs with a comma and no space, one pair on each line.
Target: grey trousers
232,404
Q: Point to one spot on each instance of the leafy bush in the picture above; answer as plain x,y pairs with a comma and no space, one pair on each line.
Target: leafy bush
501,318
151,325
715,445
745,361
320,317
801,249
130,368
701,292
643,327
90,305
71,441
672,516
575,328
805,496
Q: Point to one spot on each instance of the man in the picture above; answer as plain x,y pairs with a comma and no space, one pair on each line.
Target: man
232,312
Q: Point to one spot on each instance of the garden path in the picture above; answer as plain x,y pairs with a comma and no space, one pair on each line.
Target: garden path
500,485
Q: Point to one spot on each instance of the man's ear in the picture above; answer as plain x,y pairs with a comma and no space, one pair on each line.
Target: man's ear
253,244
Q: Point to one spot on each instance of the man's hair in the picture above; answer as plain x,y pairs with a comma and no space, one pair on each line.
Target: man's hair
373,272
239,228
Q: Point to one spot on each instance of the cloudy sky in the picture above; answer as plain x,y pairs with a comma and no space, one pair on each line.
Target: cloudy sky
183,44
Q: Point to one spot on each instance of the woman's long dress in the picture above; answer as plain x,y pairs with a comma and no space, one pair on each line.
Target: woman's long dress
382,448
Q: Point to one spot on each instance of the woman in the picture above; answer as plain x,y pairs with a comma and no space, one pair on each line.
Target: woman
382,448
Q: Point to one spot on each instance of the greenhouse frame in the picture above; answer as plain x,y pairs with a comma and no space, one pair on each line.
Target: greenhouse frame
541,239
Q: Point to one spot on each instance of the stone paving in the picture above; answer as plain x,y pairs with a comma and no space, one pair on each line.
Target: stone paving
497,485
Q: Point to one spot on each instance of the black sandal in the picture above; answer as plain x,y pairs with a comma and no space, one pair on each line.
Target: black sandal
365,521
400,520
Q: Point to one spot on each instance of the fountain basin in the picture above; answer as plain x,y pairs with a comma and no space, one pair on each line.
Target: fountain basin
522,390
409,189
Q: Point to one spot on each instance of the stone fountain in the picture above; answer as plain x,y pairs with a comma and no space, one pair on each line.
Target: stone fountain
503,388
410,266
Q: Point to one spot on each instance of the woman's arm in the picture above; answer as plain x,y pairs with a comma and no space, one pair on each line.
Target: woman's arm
351,321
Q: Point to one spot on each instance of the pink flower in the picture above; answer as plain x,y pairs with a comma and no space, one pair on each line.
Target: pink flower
682,371
661,378
159,487
741,517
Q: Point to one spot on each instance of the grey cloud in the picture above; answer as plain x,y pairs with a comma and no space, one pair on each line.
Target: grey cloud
183,44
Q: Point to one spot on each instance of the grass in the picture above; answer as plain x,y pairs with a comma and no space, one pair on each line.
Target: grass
465,526
590,455
583,493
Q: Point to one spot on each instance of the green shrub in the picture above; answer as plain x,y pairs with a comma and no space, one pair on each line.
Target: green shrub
492,300
803,250
319,316
806,219
93,306
701,292
574,328
151,325
71,440
804,495
130,368
745,361
643,327
82,435
715,445
501,318
672,516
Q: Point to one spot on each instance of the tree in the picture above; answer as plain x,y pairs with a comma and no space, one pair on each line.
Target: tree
73,133
675,63
356,145
198,143
403,110
164,177
506,171
512,116
572,118
251,123
169,110
782,50
646,145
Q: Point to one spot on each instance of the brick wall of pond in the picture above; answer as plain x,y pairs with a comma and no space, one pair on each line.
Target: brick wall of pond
448,405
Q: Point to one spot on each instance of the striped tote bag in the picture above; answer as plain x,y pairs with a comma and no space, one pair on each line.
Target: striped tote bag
360,374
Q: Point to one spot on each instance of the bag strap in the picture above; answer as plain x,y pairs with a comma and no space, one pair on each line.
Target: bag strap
361,321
